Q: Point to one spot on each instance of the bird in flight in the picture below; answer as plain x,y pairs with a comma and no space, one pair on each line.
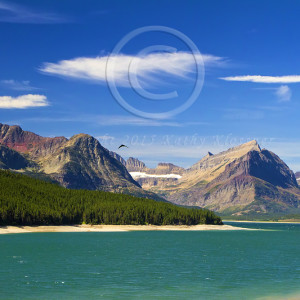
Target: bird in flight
122,146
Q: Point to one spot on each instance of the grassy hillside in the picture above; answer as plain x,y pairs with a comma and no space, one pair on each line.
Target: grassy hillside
28,201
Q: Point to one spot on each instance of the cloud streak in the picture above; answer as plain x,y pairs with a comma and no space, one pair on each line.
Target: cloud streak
110,120
243,114
14,13
264,79
17,85
117,120
177,64
24,101
105,138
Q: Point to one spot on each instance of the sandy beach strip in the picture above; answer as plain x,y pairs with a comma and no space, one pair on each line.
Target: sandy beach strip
113,228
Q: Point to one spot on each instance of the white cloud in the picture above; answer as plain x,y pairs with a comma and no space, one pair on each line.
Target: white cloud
264,79
283,93
24,101
18,85
13,13
179,64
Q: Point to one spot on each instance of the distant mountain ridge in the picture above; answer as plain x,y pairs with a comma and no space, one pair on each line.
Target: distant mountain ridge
162,175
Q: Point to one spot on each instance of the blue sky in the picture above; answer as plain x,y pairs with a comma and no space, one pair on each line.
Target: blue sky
53,60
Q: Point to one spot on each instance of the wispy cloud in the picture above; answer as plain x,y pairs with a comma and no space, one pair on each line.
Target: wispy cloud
112,120
117,120
105,137
283,93
24,101
15,13
264,79
105,120
243,114
121,67
17,85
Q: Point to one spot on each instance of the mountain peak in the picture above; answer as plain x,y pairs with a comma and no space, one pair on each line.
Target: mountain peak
252,144
84,142
209,162
80,136
208,155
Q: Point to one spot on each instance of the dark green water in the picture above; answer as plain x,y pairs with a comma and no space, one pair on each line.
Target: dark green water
147,265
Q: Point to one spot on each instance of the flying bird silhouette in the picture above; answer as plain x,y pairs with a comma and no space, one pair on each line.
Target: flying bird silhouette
122,146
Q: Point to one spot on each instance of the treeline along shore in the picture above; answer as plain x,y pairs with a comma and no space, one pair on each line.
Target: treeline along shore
29,201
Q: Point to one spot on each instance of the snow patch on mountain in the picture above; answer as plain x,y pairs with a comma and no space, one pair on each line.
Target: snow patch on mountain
136,175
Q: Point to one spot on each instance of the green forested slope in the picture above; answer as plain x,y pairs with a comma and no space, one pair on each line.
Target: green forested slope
29,201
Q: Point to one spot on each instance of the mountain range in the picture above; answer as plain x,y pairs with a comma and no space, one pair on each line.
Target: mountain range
244,180
77,163
163,175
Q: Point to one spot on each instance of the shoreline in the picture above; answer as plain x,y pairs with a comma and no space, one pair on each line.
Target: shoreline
274,222
113,228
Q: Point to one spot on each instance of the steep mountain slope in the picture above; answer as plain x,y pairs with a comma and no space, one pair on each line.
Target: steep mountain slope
241,180
118,157
78,163
83,163
11,159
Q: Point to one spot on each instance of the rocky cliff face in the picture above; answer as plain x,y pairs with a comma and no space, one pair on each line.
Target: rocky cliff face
166,168
241,180
134,165
79,163
118,157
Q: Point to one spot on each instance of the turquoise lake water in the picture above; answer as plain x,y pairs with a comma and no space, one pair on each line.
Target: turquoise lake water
153,265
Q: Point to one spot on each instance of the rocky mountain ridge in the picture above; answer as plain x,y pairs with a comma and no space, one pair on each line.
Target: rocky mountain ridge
241,180
79,162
